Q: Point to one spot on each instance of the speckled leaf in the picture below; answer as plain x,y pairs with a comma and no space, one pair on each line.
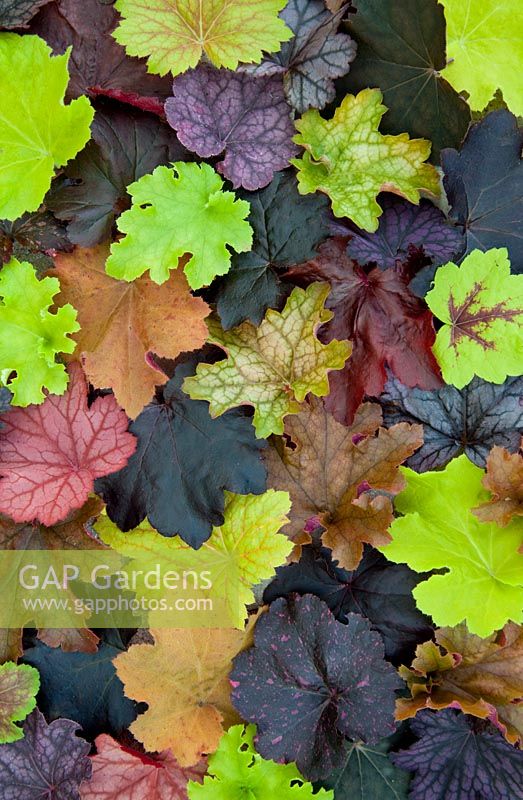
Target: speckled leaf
17,13
34,238
504,479
19,684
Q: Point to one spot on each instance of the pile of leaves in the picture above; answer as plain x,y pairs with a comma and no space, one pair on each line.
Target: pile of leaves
261,295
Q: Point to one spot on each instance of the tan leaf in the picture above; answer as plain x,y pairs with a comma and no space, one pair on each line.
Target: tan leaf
10,644
69,534
504,479
71,640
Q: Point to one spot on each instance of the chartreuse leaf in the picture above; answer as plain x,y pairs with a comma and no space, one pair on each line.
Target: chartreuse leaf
272,367
30,335
350,160
481,306
236,772
37,131
176,33
173,214
19,684
484,581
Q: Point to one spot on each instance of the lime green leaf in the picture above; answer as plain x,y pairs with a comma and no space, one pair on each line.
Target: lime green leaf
241,553
30,335
481,306
485,50
176,33
37,131
19,684
350,160
237,772
176,214
484,582
274,366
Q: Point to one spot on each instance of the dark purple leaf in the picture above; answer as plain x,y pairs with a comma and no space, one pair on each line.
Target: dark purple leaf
17,13
5,401
34,238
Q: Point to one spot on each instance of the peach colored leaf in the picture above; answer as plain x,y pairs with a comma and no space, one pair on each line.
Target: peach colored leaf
504,479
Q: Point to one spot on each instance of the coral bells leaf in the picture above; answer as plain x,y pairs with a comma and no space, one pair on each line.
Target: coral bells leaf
19,684
504,479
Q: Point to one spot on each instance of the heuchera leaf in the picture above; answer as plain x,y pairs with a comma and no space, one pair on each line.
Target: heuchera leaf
287,227
207,219
17,13
51,454
121,323
68,534
51,761
269,371
504,479
237,771
37,131
457,758
350,160
178,33
183,462
5,401
484,582
314,56
472,420
219,111
19,684
385,322
481,306
30,335
34,238
309,681
343,475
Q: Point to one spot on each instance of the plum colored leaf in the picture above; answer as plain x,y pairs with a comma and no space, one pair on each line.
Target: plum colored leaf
268,370
18,13
402,227
179,33
37,131
34,238
483,584
30,335
121,323
19,684
68,534
287,227
386,323
121,773
469,421
50,761
481,306
504,479
183,679
309,681
350,160
483,185
207,220
401,50
5,401
343,475
314,57
219,111
51,454
125,146
458,759
481,34
236,771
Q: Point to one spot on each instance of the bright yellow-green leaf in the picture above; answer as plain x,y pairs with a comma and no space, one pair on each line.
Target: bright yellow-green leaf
272,367
350,160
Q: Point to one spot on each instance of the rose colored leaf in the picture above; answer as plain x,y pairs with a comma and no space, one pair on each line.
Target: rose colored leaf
504,479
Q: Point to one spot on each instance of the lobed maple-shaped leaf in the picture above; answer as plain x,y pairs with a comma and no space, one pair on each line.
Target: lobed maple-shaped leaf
207,220
386,323
483,584
67,534
482,677
19,684
219,111
472,420
18,13
34,238
37,131
70,640
121,773
51,761
504,479
315,55
183,462
458,759
309,681
180,32
350,160
183,679
122,323
236,771
30,335
51,454
482,182
272,367
481,306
